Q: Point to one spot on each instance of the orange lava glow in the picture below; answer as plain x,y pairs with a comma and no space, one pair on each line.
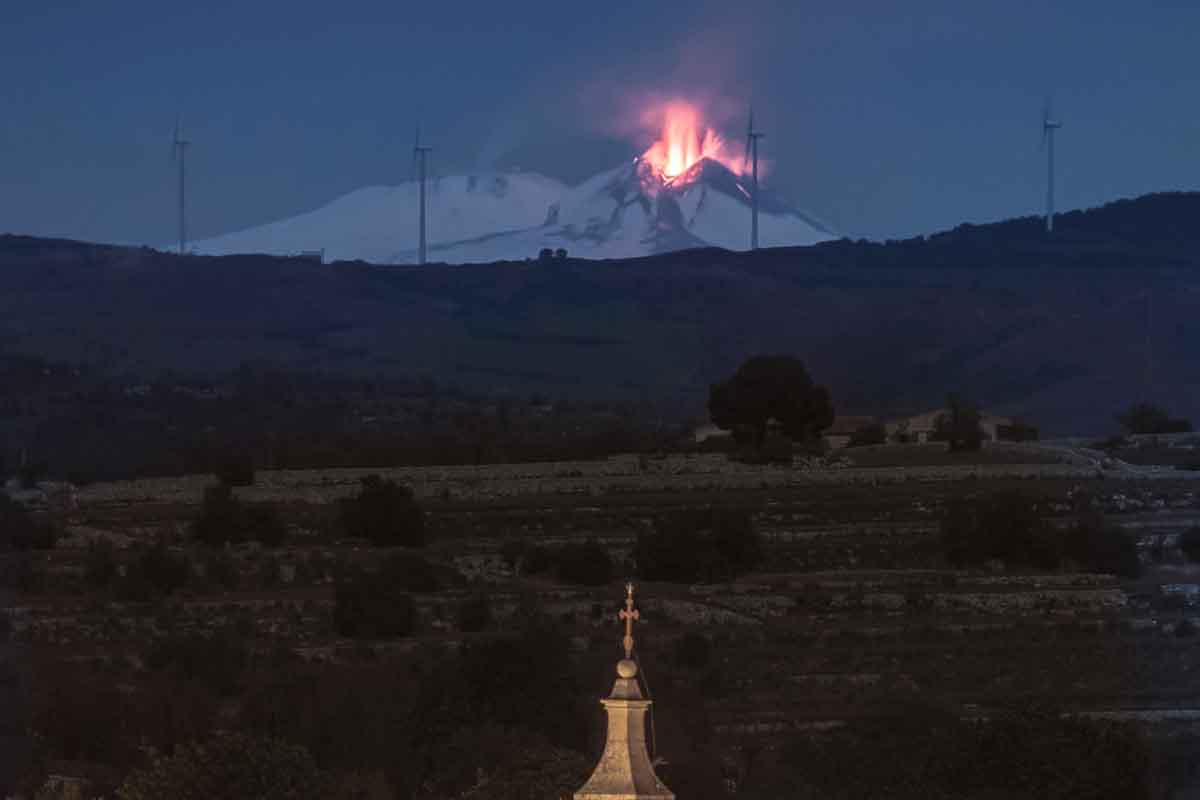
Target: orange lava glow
684,140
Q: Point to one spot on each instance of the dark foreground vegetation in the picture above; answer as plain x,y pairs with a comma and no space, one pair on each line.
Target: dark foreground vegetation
350,654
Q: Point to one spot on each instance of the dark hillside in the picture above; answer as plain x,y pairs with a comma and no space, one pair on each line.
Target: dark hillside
1027,324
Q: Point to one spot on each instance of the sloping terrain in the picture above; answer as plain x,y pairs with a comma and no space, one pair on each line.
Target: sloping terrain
620,213
854,614
1052,329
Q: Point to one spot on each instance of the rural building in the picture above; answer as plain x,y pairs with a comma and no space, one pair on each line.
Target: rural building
838,434
920,429
709,431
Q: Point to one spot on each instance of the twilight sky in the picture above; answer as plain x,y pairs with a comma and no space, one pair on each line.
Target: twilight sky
885,119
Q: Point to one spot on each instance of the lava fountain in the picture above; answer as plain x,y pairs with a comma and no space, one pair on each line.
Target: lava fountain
684,140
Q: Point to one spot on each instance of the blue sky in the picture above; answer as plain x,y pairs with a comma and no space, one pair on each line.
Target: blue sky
884,119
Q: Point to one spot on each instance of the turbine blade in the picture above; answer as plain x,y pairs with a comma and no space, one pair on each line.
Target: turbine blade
412,170
749,138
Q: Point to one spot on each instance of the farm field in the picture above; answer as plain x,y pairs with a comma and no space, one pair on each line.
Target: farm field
854,613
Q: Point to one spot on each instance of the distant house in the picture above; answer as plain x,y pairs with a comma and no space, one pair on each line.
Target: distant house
317,256
709,431
920,428
838,434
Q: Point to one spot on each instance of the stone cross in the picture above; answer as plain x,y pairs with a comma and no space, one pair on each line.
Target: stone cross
629,615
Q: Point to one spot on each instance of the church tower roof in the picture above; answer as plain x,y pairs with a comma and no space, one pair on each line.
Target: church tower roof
625,771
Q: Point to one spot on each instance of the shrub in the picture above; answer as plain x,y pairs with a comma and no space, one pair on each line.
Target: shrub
100,568
264,525
1004,526
216,661
1102,546
475,613
693,651
230,765
236,470
584,564
538,560
699,546
384,513
20,531
221,569
226,520
369,606
1189,543
153,573
410,573
513,552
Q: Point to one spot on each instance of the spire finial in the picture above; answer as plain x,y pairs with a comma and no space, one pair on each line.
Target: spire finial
629,615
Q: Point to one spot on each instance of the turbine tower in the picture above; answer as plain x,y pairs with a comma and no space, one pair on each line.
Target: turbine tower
752,137
1049,126
179,147
420,155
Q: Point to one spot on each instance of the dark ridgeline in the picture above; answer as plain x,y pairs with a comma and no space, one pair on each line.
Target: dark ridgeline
1038,325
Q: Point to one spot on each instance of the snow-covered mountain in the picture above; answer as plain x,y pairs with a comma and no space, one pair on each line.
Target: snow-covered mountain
379,223
622,213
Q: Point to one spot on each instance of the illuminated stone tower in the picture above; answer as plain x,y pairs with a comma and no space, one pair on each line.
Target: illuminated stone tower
625,771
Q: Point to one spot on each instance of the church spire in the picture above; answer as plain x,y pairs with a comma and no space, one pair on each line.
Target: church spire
625,771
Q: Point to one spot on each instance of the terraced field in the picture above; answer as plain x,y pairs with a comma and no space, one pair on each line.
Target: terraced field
855,613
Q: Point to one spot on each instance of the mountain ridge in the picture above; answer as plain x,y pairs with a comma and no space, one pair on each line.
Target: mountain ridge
622,212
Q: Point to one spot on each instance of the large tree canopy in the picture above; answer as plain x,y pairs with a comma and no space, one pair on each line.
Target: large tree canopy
769,388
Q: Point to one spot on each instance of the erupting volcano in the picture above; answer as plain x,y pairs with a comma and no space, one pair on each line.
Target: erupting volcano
686,190
684,141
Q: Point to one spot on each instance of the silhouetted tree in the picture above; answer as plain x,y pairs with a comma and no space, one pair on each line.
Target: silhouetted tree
959,425
1147,418
766,388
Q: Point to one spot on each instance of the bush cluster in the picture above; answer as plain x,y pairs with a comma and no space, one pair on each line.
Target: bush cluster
411,573
580,563
699,546
226,520
475,613
368,605
19,530
216,661
1011,528
153,573
1189,544
384,513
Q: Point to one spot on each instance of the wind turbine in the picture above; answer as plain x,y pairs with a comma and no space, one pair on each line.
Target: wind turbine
1049,126
179,147
420,154
752,137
